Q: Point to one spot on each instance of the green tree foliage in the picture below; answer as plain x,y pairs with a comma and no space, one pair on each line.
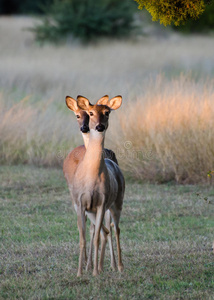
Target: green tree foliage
173,11
204,24
86,19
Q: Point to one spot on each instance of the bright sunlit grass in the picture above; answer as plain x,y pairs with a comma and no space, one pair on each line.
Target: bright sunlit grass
171,131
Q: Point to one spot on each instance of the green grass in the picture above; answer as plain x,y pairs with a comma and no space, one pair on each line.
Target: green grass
166,236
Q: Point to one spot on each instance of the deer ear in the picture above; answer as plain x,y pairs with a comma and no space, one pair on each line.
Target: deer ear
83,103
71,103
103,100
115,102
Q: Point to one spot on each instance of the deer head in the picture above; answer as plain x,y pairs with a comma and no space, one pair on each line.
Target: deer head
99,113
82,116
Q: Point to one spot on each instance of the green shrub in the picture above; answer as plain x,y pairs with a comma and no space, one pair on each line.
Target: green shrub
86,19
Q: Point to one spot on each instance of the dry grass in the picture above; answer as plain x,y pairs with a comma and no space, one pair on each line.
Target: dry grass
171,132
164,130
34,134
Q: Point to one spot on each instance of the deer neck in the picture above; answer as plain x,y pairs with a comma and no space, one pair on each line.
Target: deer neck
86,137
93,161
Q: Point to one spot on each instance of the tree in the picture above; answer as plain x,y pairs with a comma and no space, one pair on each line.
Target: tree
173,11
204,24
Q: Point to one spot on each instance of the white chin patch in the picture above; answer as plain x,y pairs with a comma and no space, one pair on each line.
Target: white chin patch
96,132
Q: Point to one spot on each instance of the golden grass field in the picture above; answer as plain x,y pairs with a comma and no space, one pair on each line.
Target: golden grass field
165,128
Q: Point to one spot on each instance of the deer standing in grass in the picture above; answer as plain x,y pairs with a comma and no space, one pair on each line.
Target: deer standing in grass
75,157
98,184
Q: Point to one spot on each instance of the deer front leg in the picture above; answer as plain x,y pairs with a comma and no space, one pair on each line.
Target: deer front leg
81,227
89,262
99,220
104,232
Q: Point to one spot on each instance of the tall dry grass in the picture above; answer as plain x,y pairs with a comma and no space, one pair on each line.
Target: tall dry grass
169,133
34,133
164,131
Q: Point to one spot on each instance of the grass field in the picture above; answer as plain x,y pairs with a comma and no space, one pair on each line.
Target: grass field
166,234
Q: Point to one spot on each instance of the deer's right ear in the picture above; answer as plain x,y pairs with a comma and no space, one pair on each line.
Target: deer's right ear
103,100
71,103
115,102
83,103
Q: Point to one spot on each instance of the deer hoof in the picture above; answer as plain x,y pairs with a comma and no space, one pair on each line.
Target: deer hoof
79,274
114,268
95,273
89,267
120,268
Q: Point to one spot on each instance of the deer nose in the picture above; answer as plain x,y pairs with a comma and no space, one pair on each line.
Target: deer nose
84,128
100,127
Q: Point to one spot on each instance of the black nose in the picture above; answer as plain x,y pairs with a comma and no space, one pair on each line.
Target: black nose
84,128
100,127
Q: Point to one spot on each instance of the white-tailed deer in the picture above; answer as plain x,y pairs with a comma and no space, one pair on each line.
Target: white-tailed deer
98,184
75,157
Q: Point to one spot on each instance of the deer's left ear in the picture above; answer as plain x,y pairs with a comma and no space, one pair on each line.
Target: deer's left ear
71,103
103,100
115,102
83,103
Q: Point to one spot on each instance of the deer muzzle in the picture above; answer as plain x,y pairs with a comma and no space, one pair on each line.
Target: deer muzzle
100,127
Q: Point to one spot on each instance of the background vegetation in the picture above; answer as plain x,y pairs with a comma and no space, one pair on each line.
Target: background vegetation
173,12
89,20
204,24
166,117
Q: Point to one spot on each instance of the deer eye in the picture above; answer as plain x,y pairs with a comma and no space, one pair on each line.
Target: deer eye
78,116
91,113
107,113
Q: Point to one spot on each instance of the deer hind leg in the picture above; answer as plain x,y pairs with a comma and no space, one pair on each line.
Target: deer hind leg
81,226
104,237
109,237
89,262
103,247
115,213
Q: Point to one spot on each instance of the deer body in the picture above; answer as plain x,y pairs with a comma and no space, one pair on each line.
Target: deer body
98,184
70,165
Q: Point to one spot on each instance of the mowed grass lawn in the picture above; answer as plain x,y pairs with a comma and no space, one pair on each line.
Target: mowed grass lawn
166,236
